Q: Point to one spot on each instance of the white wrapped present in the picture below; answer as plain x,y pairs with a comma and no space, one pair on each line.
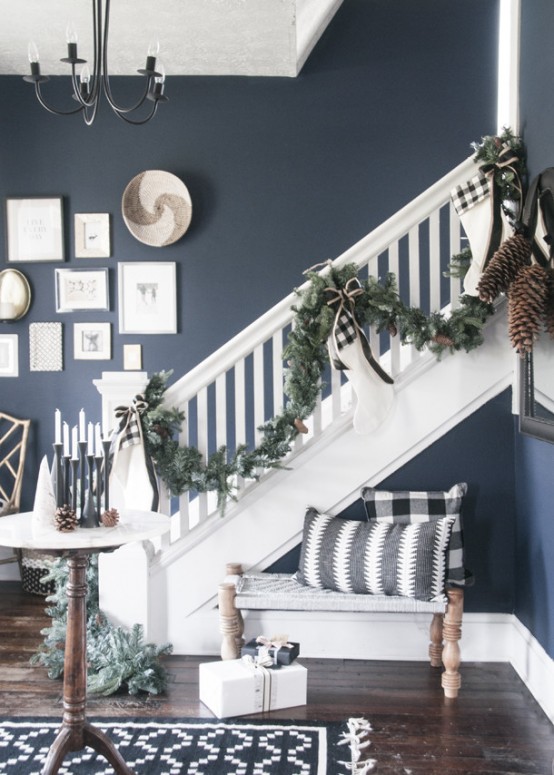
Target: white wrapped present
237,687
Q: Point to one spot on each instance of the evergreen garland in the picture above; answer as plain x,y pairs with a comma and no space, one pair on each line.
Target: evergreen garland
182,468
116,657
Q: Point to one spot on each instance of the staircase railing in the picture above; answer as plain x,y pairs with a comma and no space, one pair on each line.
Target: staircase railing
240,386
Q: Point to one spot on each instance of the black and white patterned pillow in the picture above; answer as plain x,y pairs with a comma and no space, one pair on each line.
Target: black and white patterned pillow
405,507
374,557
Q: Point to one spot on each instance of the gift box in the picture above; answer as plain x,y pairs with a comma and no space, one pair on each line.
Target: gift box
281,655
236,687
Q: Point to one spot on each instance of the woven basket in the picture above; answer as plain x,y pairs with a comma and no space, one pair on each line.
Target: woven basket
33,566
156,208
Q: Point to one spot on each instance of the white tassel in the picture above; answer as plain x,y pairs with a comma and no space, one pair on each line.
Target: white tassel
358,729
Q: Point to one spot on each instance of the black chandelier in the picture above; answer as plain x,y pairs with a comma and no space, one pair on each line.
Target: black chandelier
87,88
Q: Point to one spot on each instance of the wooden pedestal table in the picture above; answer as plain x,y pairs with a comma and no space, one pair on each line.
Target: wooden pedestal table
20,531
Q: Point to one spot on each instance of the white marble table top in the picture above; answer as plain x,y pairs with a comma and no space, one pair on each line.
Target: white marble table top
21,531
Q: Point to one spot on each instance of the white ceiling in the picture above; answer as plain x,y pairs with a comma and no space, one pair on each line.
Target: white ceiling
197,37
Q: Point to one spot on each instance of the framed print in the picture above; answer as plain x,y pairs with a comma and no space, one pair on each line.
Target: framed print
34,229
147,298
92,235
9,352
132,357
92,341
78,289
45,347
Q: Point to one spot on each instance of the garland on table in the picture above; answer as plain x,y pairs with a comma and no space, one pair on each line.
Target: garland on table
183,468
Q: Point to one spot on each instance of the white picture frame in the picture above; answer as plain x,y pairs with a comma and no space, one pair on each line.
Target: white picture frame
9,355
92,341
147,298
79,289
132,357
34,229
92,235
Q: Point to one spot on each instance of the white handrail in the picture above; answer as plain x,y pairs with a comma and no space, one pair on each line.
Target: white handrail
254,356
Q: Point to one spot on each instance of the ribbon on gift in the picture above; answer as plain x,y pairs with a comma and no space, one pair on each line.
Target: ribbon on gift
346,328
274,643
262,678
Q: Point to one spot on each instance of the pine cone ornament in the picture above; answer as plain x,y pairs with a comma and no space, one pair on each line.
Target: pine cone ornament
503,268
444,340
110,518
527,306
549,310
66,519
300,425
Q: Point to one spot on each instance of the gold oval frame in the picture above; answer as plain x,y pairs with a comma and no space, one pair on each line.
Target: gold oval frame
15,295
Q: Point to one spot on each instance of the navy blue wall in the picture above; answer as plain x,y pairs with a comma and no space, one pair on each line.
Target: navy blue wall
283,173
535,458
479,451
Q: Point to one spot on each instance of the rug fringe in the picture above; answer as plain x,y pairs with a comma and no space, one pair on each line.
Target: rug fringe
358,730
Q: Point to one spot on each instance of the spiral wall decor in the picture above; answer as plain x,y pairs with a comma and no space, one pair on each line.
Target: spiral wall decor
156,208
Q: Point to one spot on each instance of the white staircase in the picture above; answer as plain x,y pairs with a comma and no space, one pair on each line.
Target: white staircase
172,590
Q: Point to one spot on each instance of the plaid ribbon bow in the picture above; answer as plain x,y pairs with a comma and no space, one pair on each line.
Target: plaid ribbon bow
130,428
345,327
465,196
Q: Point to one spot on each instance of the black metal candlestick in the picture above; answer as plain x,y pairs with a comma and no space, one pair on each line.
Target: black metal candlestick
89,517
66,480
74,482
106,444
83,469
59,473
98,485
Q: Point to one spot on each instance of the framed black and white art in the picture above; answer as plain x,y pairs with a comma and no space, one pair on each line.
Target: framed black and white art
78,289
147,298
92,235
92,341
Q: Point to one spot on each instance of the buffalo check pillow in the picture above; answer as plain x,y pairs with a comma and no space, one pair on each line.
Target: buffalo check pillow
404,507
374,557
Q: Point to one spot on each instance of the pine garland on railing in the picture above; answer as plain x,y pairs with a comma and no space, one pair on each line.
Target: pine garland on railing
183,468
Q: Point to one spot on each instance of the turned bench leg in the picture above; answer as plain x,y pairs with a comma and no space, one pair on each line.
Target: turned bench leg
435,638
231,624
452,632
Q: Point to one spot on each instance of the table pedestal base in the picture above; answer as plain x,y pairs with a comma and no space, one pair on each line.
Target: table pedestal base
76,732
69,740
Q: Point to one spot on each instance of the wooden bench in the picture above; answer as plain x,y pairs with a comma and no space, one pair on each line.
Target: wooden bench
276,591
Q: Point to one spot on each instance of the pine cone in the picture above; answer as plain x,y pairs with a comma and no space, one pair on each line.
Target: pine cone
549,309
527,307
66,519
503,268
300,426
110,518
392,329
444,340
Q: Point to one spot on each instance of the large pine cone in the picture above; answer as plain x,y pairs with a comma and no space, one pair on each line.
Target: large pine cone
503,268
549,311
527,307
66,519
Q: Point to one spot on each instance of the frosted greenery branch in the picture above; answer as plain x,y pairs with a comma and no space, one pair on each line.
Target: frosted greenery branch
116,657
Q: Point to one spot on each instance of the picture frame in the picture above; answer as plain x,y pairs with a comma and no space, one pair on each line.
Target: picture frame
92,235
147,298
92,341
79,289
9,355
132,357
34,229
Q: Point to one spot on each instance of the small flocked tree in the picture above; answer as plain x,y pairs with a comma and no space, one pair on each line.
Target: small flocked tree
116,657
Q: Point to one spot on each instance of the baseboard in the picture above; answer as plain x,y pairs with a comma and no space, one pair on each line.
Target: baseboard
534,666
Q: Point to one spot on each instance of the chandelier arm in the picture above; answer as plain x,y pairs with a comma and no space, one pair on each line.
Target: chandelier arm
50,109
138,122
106,79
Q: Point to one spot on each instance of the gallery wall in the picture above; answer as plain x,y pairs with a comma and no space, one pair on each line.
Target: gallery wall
283,173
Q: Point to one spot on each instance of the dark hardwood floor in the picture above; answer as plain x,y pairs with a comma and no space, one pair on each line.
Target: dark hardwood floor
494,727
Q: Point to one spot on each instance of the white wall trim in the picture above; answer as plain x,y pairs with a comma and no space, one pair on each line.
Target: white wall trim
534,666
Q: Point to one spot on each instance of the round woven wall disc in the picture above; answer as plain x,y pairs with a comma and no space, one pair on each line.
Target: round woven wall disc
156,207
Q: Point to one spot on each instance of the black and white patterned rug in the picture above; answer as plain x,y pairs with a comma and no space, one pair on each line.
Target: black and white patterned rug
189,747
